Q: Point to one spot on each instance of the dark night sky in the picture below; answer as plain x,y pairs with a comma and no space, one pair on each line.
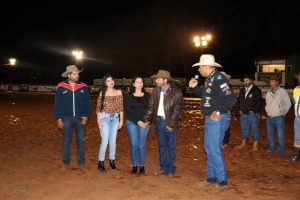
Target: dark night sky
135,36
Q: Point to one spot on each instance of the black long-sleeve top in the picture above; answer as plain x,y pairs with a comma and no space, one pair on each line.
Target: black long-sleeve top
215,94
135,107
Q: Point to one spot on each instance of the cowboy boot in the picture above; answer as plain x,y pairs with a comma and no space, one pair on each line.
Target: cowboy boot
101,167
255,146
142,169
112,164
244,143
134,169
295,155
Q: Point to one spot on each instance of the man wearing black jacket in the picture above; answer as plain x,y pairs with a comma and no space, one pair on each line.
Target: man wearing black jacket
250,100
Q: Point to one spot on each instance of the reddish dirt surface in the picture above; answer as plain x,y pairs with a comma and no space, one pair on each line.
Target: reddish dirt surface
31,166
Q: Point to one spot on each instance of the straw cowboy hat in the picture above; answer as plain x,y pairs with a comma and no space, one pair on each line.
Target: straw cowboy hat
226,75
207,60
162,74
70,69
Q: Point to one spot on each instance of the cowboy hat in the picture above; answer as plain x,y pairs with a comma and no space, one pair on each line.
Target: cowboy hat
70,69
274,77
248,76
162,74
226,75
207,60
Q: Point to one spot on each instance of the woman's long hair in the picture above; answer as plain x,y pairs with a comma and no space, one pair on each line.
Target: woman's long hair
104,88
132,88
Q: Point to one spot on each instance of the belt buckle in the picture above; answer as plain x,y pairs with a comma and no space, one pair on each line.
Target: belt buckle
162,117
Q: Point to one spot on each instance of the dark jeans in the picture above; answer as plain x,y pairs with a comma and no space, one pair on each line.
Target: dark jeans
166,146
226,137
71,123
273,124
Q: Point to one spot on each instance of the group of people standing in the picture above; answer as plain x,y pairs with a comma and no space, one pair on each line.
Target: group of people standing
72,103
164,105
277,105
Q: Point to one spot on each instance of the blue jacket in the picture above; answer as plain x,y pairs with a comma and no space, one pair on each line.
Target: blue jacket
70,101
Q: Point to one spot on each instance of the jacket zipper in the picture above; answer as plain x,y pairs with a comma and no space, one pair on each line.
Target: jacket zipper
73,103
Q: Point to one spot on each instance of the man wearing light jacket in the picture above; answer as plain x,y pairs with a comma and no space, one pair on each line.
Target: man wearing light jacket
72,109
277,106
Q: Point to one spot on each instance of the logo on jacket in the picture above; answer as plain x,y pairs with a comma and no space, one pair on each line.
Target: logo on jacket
65,91
82,91
208,90
207,104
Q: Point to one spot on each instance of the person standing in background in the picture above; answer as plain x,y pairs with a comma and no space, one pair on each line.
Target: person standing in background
277,106
296,100
250,102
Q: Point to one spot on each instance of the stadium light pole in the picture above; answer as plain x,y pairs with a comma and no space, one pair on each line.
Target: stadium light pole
12,63
78,55
202,41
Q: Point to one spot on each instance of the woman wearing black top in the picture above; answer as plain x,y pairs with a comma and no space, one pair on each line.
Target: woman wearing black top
136,103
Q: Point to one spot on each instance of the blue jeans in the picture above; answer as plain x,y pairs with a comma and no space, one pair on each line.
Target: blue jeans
272,124
297,132
213,139
250,121
71,123
137,137
108,132
166,146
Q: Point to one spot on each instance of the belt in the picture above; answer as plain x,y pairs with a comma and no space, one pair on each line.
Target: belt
161,117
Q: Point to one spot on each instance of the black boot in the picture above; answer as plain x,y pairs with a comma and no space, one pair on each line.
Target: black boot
112,164
295,155
101,167
134,170
142,170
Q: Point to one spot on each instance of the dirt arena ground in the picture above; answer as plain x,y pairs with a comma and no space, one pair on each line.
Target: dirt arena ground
31,166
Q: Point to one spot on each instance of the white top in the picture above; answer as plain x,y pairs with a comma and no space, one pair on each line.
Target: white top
161,111
247,89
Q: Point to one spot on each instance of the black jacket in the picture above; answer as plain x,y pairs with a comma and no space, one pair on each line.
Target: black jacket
252,102
215,94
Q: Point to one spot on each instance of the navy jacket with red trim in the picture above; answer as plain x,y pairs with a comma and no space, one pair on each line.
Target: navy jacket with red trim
70,101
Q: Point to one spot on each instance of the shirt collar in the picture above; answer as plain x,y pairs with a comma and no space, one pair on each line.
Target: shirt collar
165,91
212,73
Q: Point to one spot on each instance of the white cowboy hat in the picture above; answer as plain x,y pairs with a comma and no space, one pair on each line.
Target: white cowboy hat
70,69
207,60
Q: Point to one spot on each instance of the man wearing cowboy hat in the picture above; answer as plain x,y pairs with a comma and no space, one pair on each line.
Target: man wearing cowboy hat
277,106
216,101
72,109
165,105
250,101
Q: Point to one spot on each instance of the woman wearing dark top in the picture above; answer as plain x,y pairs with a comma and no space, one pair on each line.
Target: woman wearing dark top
136,103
